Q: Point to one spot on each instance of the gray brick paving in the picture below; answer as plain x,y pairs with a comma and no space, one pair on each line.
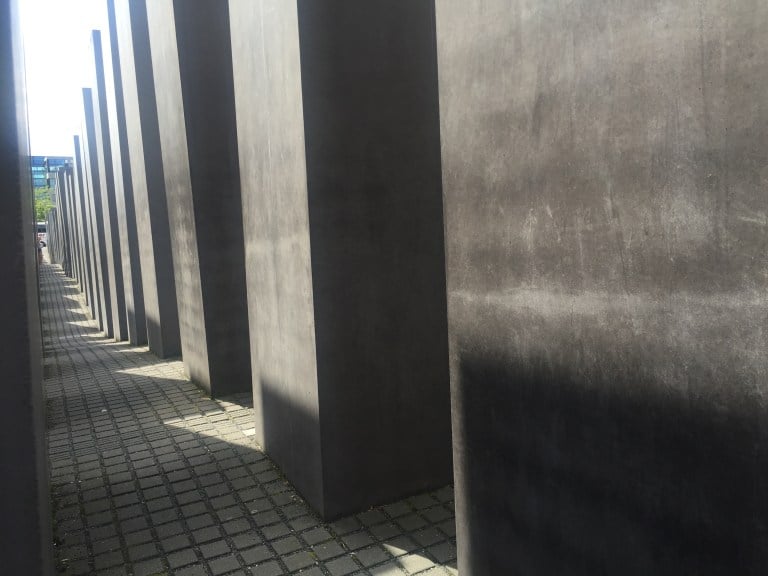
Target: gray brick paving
150,477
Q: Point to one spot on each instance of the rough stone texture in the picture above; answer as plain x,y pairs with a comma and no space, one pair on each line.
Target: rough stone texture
97,219
196,113
106,176
339,152
149,476
145,159
25,530
136,323
604,183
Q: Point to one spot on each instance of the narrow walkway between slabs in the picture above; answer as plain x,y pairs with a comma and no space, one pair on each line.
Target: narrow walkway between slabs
151,477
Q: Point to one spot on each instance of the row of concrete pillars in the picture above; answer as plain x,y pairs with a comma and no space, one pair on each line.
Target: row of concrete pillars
269,207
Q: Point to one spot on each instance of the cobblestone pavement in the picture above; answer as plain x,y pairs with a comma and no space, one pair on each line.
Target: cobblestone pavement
151,477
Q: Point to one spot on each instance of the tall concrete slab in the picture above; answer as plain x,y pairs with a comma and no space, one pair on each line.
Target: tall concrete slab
52,228
83,212
196,118
63,210
147,180
99,249
604,172
104,171
74,226
25,524
66,176
338,128
126,210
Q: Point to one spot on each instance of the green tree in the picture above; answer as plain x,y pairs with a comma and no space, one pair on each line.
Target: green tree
43,203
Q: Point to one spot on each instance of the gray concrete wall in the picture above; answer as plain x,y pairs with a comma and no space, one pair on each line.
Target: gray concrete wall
62,205
84,227
99,267
71,223
148,183
339,151
605,196
277,249
25,523
196,114
136,323
105,173
76,232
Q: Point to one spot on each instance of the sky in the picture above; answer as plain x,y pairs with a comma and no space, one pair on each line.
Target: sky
57,53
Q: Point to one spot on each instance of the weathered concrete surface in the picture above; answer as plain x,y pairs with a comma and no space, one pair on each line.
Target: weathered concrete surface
25,528
104,171
196,113
136,323
605,194
100,268
83,210
77,225
62,205
71,221
147,180
339,153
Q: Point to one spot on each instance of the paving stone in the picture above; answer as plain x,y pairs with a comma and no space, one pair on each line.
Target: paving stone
356,540
139,537
169,529
385,531
400,545
236,526
129,512
411,522
256,555
142,551
275,531
372,555
328,550
197,570
99,519
298,560
316,535
108,560
304,522
437,514
346,525
182,558
206,534
443,553
134,524
120,571
415,563
214,549
391,568
342,566
175,542
268,569
200,521
428,536
149,568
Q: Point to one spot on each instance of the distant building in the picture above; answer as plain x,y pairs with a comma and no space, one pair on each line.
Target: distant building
40,171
